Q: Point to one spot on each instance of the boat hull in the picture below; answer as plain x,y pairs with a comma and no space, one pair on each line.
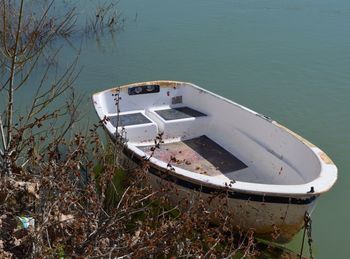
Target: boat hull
201,144
273,218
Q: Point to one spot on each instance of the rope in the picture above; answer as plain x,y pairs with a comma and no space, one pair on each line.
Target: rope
308,231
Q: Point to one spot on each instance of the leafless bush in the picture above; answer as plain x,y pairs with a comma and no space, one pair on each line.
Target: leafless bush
24,38
71,216
105,17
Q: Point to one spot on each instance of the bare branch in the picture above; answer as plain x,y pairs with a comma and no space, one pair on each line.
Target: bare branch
43,78
2,132
26,76
64,82
5,29
12,72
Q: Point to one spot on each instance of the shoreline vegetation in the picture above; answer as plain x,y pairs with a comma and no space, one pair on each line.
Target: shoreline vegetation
65,193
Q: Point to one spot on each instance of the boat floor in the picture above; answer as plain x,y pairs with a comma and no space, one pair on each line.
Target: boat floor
200,155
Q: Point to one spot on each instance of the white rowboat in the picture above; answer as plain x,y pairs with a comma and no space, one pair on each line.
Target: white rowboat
271,174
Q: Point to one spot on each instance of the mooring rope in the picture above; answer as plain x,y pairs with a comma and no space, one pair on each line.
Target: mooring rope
308,231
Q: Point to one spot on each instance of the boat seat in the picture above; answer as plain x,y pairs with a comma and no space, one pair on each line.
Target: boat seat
179,113
128,119
179,122
138,126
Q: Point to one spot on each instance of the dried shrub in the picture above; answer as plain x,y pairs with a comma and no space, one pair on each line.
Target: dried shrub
74,216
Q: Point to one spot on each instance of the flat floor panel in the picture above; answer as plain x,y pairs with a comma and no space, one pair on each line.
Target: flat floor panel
201,155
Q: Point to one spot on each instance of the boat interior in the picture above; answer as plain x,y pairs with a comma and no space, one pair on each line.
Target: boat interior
207,134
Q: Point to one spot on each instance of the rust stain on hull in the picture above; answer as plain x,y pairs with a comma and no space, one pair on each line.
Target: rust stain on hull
280,233
325,158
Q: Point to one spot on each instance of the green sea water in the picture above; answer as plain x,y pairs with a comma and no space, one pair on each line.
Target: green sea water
289,60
